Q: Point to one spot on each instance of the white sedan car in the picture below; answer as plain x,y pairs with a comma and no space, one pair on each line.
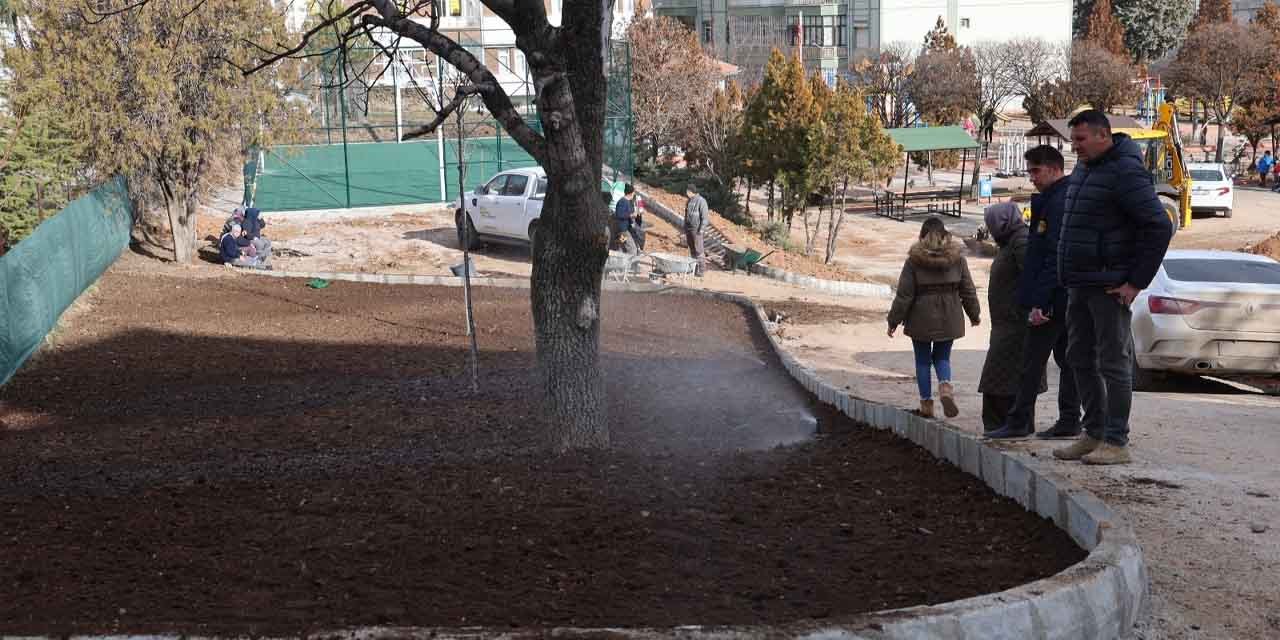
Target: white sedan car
1206,313
1211,188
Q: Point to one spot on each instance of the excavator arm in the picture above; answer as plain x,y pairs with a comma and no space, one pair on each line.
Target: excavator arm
1179,178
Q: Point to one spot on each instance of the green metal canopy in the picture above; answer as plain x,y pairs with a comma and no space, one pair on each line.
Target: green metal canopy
932,138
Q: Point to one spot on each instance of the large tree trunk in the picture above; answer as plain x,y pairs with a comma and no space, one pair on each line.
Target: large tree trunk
180,207
771,203
1194,122
751,181
1221,136
570,248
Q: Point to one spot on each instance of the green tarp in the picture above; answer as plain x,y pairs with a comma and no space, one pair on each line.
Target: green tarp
932,138
47,271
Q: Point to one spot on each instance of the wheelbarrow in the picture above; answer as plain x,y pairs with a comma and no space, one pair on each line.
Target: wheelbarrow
620,264
748,259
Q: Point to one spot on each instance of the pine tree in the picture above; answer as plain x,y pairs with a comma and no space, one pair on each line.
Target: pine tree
939,39
760,163
1212,12
1103,29
1153,28
1268,17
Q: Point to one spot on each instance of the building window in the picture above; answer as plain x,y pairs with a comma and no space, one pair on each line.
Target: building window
706,31
862,38
964,23
504,60
462,9
820,31
842,30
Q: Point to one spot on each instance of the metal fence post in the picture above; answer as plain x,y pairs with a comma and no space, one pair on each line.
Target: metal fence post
342,102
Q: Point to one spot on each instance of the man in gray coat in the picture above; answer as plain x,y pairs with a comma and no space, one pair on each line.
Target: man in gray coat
697,217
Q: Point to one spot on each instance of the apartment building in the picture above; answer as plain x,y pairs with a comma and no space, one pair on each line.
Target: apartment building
830,34
476,28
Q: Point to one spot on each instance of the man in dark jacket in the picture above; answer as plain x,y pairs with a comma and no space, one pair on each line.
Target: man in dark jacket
1114,236
1043,296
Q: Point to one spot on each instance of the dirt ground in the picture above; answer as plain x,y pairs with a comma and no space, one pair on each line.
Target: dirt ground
237,454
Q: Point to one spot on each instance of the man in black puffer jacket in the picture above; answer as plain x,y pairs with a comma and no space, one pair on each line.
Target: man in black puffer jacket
1045,300
1114,235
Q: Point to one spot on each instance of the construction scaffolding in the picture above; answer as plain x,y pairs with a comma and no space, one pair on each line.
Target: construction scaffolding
369,105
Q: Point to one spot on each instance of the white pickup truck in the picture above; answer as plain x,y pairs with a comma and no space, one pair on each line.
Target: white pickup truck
507,207
504,209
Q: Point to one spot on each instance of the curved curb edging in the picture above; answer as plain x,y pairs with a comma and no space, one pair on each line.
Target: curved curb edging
1100,597
835,287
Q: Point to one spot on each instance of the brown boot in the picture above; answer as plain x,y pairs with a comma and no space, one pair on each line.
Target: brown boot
1078,449
947,394
1108,453
926,408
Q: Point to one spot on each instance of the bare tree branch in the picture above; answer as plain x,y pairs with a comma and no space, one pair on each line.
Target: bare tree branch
459,99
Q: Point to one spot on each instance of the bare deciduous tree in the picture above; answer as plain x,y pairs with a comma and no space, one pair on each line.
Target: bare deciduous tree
1222,65
671,76
1101,78
567,66
994,64
885,80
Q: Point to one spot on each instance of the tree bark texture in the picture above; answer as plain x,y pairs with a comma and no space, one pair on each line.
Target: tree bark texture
180,208
569,252
571,246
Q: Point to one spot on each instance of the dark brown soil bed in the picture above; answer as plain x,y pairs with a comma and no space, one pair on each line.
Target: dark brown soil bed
246,455
800,312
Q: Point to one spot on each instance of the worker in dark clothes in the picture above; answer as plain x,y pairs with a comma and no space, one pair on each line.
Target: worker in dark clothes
624,214
1046,301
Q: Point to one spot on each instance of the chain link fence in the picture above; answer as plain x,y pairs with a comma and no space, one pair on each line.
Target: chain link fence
371,103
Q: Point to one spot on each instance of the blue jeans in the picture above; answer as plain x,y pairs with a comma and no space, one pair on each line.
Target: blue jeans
931,354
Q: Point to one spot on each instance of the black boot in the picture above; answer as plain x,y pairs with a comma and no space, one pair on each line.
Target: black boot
1060,430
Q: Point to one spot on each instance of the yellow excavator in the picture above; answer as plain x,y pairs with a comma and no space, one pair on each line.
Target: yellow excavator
1162,148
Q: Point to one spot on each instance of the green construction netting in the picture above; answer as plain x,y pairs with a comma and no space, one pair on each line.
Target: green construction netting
47,271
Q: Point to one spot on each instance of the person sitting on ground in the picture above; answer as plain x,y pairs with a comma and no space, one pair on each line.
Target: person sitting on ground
935,293
253,226
235,255
1002,370
236,218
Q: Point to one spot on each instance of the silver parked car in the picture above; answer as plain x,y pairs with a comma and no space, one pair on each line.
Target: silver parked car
1208,312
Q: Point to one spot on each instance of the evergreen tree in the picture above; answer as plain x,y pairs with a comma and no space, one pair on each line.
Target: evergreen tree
1153,28
1212,12
939,39
1104,30
761,139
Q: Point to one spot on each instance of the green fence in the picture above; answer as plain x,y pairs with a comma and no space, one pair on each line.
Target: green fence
364,100
325,176
47,271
